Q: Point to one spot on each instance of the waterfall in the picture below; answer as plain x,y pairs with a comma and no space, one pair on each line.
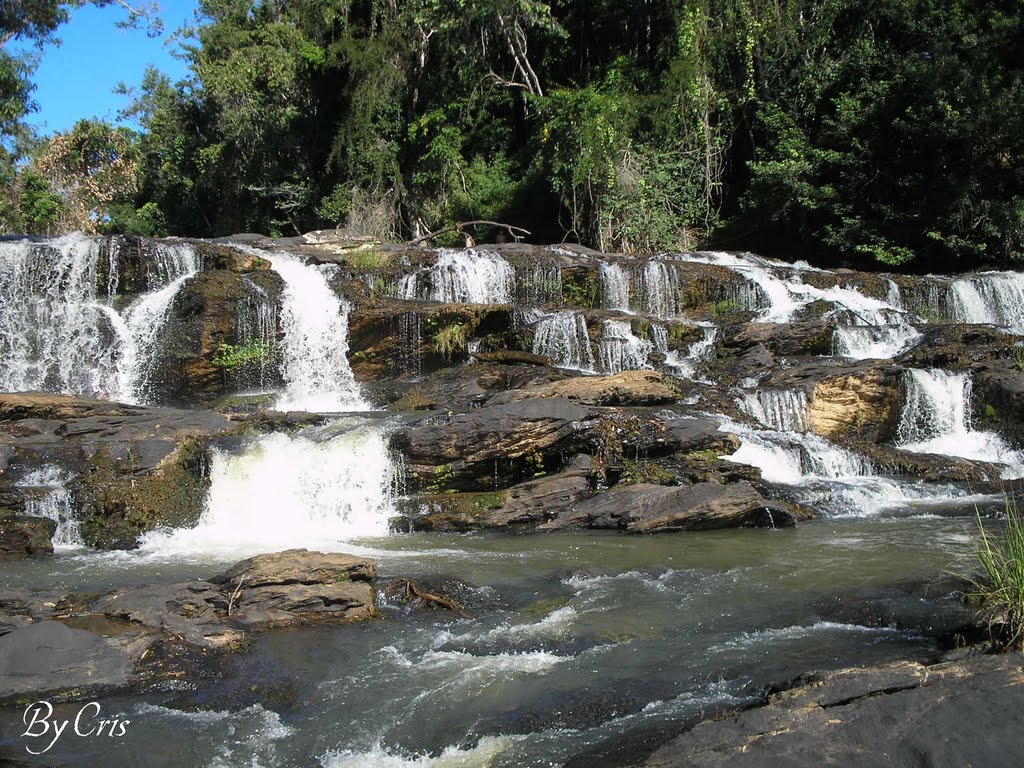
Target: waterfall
463,277
411,332
563,337
936,418
995,298
47,496
60,332
538,284
784,410
314,322
314,489
661,290
614,286
619,350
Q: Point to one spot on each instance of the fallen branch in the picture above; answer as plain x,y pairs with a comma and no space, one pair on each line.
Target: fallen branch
234,595
413,591
460,227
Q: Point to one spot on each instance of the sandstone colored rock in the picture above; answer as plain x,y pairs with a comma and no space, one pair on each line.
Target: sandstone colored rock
862,404
629,388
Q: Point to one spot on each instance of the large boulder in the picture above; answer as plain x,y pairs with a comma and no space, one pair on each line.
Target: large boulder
128,468
494,447
862,404
646,508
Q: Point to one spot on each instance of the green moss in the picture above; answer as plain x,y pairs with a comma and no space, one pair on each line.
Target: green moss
580,290
121,506
645,472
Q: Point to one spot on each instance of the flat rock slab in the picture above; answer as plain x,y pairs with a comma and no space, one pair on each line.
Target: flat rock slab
49,656
968,713
629,388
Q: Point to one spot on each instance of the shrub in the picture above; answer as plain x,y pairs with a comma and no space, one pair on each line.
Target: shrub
999,589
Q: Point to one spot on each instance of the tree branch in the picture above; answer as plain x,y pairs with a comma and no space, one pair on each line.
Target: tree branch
460,227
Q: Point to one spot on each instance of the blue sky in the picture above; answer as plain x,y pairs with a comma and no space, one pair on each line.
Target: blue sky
76,79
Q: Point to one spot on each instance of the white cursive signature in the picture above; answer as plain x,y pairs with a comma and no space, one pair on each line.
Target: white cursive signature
39,723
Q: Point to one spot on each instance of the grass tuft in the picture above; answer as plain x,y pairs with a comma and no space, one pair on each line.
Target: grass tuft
999,589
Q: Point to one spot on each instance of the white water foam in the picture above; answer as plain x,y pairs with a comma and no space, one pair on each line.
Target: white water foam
995,298
314,489
614,286
484,754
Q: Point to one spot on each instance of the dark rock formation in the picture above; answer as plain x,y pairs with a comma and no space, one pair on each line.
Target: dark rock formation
901,714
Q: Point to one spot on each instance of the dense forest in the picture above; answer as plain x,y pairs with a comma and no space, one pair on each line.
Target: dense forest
843,131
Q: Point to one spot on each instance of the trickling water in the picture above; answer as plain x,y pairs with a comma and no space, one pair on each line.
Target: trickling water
257,326
784,410
463,277
411,331
614,286
563,337
314,359
620,350
538,284
936,418
315,489
47,496
59,333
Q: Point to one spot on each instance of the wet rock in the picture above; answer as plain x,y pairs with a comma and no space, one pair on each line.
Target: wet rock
133,468
901,714
959,346
929,467
999,396
629,388
466,386
203,356
511,357
646,508
494,447
22,535
782,339
49,656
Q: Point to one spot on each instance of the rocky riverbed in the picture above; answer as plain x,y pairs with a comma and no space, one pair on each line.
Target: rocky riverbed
196,430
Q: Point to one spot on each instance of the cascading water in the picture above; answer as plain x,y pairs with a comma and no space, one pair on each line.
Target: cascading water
659,285
614,286
60,331
314,355
699,351
563,337
463,277
620,350
256,326
995,298
784,410
47,496
936,418
314,489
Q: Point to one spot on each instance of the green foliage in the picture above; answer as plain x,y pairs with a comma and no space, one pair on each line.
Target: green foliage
888,133
1000,587
230,358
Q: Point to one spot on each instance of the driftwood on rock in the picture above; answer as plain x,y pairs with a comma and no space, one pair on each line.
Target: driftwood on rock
410,590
